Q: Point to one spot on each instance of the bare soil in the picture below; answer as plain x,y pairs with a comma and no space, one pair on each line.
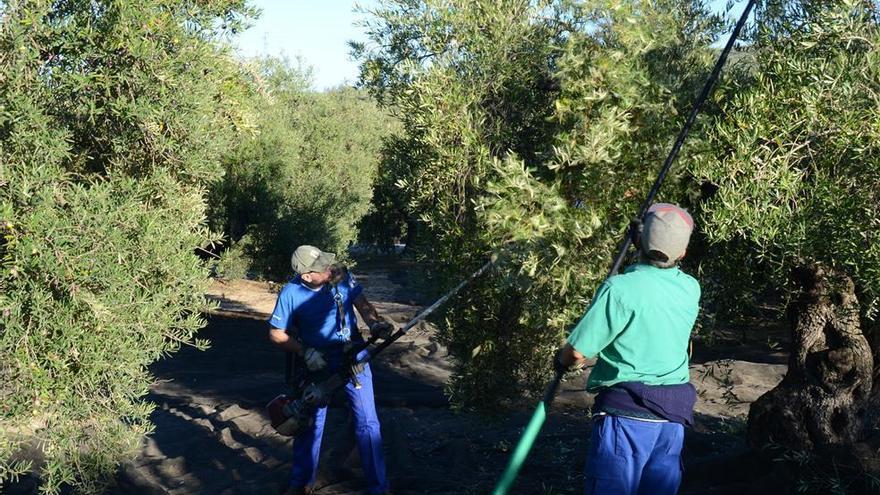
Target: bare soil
213,437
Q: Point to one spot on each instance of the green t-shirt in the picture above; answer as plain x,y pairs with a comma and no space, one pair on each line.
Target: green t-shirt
639,324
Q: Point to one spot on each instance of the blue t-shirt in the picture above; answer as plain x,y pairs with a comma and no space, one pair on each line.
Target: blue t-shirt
313,312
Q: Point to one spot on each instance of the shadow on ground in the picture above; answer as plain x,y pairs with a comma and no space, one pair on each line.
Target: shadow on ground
212,436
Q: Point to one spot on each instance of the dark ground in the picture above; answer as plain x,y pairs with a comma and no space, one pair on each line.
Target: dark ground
212,435
228,449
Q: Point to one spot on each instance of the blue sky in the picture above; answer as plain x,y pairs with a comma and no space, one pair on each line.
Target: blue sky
317,31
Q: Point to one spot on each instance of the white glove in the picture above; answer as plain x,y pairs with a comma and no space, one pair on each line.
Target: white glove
314,360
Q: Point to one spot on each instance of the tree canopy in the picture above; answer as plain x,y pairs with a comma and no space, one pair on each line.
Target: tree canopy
795,152
534,129
113,117
304,176
537,127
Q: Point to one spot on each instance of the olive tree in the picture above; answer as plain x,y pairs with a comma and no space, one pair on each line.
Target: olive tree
305,176
796,179
532,129
113,118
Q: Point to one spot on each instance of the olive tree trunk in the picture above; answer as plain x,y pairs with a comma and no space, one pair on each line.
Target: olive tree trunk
823,399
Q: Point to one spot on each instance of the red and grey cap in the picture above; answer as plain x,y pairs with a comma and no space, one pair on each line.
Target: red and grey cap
311,259
667,230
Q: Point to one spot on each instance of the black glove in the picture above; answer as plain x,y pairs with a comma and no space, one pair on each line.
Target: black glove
381,329
338,271
314,359
635,232
558,367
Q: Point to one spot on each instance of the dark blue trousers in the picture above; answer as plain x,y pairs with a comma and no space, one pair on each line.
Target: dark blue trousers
307,445
633,457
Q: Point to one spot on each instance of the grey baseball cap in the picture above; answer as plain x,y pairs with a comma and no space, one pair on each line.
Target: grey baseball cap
307,259
667,229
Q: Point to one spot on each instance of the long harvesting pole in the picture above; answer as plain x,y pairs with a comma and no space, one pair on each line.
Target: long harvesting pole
422,315
337,380
683,134
530,434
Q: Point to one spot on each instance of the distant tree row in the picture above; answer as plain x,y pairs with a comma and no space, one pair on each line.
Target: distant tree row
305,175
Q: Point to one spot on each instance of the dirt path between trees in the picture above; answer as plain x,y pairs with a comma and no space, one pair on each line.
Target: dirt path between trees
212,436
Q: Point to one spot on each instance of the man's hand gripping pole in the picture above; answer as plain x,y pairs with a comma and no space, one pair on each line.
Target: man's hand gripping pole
290,416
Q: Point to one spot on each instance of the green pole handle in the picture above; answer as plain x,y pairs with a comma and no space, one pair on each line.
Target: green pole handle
524,446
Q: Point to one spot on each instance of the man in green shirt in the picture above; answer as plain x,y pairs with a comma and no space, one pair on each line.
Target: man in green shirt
639,326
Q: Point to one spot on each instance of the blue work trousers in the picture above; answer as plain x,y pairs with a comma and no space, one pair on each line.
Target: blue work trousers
307,445
633,457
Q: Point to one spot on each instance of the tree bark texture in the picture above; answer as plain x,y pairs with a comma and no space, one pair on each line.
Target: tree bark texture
824,396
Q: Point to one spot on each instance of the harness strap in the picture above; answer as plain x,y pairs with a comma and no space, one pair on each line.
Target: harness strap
342,329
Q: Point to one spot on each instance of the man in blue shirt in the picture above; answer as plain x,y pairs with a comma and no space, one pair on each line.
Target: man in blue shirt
314,319
639,325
